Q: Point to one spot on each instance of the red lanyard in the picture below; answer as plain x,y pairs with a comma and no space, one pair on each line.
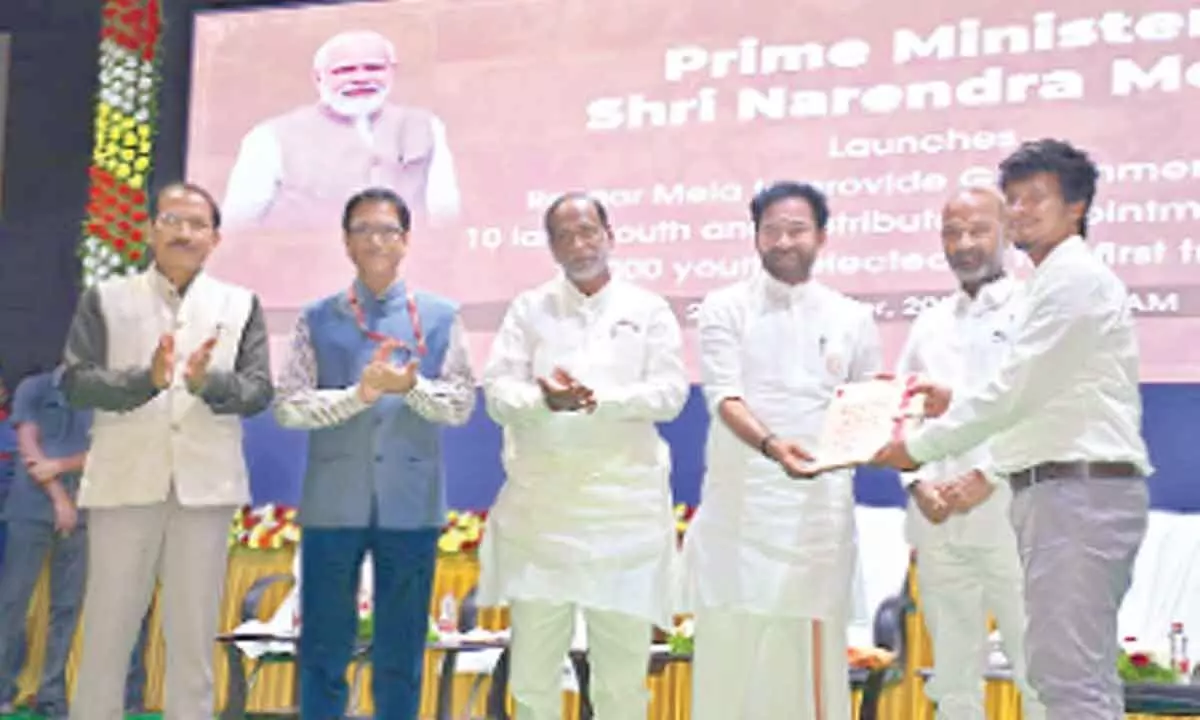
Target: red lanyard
413,317
898,426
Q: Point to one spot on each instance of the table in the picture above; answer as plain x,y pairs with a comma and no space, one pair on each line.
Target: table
1140,698
237,688
870,682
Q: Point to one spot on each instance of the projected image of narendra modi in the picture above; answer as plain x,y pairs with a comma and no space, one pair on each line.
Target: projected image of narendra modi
295,171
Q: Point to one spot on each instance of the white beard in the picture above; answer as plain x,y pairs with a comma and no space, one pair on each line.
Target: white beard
354,107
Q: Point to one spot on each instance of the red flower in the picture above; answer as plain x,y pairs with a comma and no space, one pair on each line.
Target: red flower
1139,660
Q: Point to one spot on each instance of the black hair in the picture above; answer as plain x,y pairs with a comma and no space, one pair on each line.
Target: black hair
1075,171
601,211
194,189
377,194
783,190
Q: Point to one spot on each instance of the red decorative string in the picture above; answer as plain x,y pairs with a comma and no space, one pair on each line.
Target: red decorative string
413,316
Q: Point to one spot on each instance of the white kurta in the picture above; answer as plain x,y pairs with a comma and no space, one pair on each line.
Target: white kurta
762,542
585,516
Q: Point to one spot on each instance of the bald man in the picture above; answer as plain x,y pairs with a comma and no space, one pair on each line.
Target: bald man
967,562
296,170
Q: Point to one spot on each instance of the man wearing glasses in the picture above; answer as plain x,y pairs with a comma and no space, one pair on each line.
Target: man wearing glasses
170,360
373,372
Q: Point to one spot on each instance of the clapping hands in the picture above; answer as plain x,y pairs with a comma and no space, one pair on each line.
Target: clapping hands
381,376
563,393
162,364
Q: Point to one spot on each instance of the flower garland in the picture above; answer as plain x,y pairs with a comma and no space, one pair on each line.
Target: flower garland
273,527
1140,665
270,527
126,115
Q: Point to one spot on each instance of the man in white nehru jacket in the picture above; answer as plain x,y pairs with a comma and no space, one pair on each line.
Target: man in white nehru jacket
170,360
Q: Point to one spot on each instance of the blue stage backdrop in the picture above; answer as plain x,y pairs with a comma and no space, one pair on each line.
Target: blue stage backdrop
474,475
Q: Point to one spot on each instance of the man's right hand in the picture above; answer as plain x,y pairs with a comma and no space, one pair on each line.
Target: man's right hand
937,397
929,501
162,365
564,393
66,516
795,460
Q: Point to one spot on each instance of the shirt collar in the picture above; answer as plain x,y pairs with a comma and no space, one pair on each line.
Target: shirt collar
990,296
56,376
165,288
572,297
364,294
1062,253
778,290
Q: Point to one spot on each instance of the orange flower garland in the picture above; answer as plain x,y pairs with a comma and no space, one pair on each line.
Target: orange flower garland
126,112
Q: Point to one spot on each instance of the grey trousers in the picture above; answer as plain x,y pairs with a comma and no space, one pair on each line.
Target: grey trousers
131,547
1078,540
28,544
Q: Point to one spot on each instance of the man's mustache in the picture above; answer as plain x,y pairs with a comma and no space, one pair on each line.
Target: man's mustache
372,86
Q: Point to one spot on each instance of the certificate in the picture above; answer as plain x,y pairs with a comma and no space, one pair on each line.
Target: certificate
863,417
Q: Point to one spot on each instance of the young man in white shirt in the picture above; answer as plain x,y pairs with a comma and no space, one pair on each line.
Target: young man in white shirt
581,370
967,560
1065,413
770,554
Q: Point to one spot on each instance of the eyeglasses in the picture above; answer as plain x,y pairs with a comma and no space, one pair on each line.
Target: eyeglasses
587,233
387,233
175,222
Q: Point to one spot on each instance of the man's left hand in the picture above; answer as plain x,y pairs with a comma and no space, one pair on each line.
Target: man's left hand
895,455
967,491
197,366
43,471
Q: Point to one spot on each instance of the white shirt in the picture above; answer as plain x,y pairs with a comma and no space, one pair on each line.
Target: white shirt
585,515
258,173
1068,389
763,542
961,341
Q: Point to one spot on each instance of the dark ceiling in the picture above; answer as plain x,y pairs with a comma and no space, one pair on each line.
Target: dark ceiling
34,15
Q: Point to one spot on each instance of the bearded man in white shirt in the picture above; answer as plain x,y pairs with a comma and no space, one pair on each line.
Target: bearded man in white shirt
582,368
770,554
1065,413
295,170
967,560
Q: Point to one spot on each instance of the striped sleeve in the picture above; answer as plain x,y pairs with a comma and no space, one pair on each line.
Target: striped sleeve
299,404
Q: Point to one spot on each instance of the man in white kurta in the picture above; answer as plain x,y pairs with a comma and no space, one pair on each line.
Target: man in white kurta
581,370
967,562
770,554
170,360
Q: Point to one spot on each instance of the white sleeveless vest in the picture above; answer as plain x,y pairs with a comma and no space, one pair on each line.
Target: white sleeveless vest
175,438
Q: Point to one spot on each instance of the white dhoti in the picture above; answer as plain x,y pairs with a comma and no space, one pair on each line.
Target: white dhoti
769,567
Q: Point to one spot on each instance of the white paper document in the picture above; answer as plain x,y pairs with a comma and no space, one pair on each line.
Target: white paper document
863,417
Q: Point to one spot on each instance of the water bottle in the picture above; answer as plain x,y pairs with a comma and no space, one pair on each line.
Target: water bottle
448,615
1179,652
